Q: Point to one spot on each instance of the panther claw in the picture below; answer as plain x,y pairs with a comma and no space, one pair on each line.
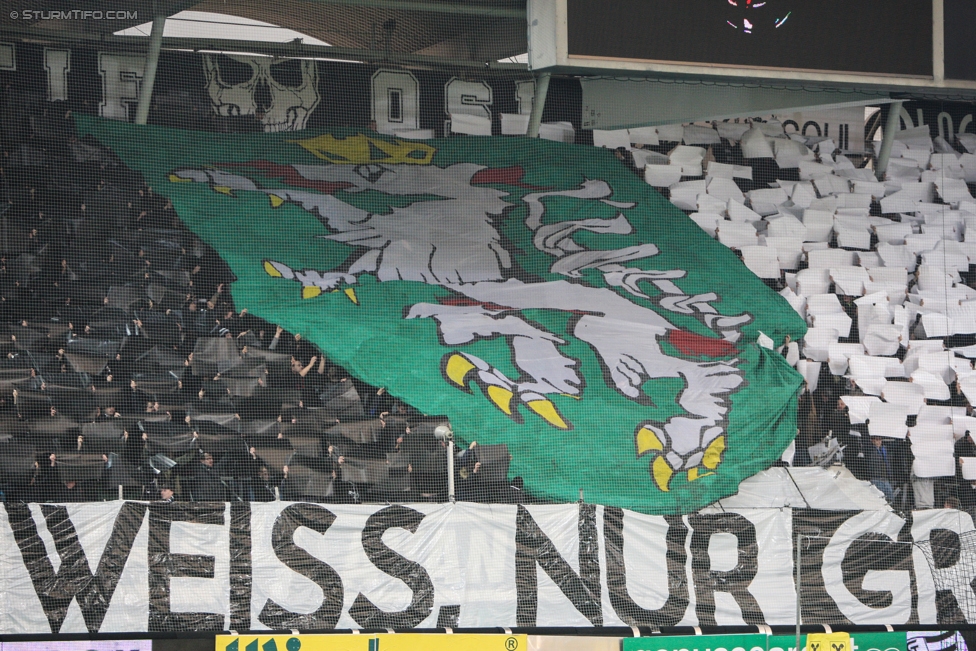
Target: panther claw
460,369
666,463
662,473
314,284
456,368
548,412
502,398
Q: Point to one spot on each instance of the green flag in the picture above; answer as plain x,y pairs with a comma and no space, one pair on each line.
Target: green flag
539,294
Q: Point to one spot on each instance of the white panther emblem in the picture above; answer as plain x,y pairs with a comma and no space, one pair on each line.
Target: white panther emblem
453,242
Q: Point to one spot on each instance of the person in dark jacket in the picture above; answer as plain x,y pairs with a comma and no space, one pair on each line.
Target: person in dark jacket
205,483
167,493
54,488
879,463
261,488
965,489
809,430
468,478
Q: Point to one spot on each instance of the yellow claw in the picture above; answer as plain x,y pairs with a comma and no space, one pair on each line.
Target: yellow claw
547,410
502,398
569,395
457,368
275,200
223,189
351,295
694,474
270,270
713,454
311,291
662,473
178,179
647,440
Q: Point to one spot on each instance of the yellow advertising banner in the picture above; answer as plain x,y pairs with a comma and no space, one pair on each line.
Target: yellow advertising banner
829,642
372,642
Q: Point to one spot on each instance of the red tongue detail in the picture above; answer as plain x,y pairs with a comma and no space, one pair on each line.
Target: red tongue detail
689,343
290,175
508,175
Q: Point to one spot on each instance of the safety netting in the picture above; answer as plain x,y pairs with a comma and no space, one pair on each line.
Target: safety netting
351,288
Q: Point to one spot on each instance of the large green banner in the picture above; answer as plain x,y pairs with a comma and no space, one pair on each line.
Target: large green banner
539,294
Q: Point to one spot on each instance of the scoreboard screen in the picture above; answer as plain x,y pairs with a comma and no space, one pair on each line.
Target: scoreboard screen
960,39
901,45
874,37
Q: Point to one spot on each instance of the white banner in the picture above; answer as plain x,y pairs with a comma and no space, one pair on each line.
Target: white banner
134,567
845,126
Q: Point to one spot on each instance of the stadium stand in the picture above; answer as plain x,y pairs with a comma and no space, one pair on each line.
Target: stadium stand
880,270
128,368
310,334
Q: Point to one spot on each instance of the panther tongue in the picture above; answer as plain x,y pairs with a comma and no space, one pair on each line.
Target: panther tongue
290,175
689,343
505,175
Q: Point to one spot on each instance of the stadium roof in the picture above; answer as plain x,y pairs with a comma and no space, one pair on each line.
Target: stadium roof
410,32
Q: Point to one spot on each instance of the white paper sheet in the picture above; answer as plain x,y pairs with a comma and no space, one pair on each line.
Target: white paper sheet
671,132
932,385
724,190
761,260
706,221
765,201
740,213
786,226
662,176
968,468
472,125
810,371
754,144
611,139
788,250
819,223
817,342
853,239
644,136
813,282
830,258
731,131
859,407
700,135
684,194
736,235
888,420
515,124
906,395
558,131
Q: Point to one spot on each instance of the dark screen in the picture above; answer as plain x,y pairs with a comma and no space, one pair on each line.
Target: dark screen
867,36
960,39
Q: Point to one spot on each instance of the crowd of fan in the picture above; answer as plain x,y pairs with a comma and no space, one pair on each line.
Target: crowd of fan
127,371
882,271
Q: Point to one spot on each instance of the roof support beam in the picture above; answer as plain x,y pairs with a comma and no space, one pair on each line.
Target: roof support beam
538,104
152,60
890,129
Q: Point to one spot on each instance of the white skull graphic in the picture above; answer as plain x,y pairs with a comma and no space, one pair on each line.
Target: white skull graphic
281,92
